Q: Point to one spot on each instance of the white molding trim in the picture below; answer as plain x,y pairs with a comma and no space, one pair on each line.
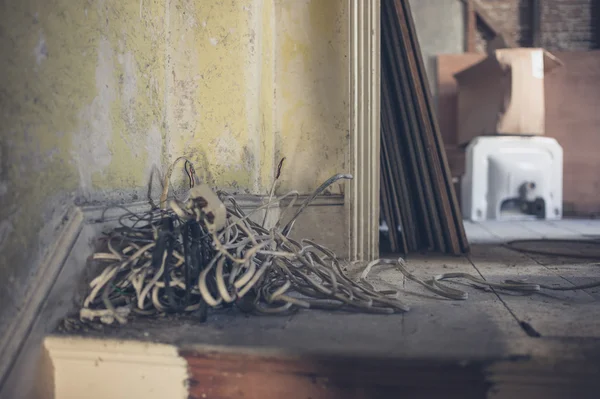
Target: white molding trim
100,213
18,331
106,368
363,198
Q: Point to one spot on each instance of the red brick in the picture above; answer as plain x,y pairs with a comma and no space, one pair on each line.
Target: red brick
565,24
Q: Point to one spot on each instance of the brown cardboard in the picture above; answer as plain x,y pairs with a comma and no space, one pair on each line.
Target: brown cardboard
504,94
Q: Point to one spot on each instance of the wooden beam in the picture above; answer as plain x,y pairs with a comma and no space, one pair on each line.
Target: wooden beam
470,26
254,375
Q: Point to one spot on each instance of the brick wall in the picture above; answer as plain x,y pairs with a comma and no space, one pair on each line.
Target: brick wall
569,24
565,24
513,17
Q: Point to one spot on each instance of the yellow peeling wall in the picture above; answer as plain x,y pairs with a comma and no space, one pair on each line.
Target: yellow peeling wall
220,90
95,94
312,78
82,93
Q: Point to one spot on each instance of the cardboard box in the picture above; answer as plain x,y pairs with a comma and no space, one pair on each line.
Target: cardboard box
504,93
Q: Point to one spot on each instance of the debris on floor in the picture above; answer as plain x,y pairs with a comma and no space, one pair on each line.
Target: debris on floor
204,252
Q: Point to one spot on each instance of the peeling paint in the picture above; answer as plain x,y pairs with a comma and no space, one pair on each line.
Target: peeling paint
312,86
129,84
214,97
41,51
96,95
70,127
227,150
91,146
154,148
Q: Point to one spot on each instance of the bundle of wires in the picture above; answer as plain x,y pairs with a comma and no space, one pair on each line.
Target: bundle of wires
182,259
203,251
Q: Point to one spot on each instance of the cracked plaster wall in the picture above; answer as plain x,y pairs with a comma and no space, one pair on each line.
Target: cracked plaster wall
95,94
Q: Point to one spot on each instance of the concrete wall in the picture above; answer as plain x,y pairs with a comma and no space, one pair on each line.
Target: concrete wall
312,78
82,90
95,94
220,90
440,30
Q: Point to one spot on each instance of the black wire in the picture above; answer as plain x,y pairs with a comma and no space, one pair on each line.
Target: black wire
168,225
513,245
187,256
190,172
199,252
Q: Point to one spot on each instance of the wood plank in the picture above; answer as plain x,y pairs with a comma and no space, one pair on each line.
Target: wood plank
419,94
470,26
387,208
413,146
225,374
402,193
392,210
318,376
415,140
551,313
432,116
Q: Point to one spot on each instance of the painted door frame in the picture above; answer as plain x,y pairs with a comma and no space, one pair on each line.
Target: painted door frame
363,199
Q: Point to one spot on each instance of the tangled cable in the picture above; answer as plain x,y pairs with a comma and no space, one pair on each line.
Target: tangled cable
196,252
200,253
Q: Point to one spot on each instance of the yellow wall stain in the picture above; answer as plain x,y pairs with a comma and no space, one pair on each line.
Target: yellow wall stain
213,96
312,87
64,131
136,36
267,98
96,93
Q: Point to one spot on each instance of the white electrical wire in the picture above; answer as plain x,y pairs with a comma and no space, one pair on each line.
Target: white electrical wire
150,269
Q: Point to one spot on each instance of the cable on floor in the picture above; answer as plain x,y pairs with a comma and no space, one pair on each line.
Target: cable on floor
203,251
522,246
